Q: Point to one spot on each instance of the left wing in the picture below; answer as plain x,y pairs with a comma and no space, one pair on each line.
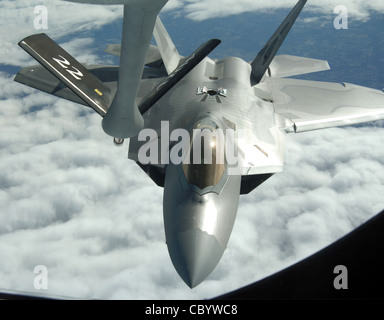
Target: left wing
312,105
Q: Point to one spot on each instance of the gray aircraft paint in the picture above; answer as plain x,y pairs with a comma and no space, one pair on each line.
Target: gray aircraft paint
253,100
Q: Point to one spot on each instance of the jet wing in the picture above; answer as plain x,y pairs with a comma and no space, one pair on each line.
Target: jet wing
167,48
153,55
311,105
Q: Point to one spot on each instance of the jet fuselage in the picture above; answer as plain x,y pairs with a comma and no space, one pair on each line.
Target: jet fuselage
201,199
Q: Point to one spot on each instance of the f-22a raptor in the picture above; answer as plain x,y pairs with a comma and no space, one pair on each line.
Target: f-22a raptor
205,130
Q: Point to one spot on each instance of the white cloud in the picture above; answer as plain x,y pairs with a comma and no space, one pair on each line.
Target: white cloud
72,201
64,18
206,9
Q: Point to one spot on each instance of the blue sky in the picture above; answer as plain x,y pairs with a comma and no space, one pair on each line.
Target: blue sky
73,202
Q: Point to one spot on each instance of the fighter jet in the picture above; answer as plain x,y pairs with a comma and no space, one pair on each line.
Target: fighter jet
205,130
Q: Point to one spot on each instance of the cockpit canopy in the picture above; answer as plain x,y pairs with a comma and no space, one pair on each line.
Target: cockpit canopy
205,163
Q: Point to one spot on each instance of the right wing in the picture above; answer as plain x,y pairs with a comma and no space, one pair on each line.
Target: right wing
312,105
168,51
165,50
153,57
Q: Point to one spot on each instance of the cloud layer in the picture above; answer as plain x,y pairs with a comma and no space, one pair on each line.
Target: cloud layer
64,18
73,202
206,9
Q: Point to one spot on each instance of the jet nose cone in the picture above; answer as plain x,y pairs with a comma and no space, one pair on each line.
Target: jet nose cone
194,253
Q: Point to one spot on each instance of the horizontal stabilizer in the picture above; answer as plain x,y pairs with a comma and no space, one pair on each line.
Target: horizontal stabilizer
68,70
184,68
261,63
40,78
288,66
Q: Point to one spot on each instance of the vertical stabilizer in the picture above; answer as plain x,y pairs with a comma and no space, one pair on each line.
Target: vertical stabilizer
65,68
265,56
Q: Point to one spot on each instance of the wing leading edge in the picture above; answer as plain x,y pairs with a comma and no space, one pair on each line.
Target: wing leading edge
312,105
